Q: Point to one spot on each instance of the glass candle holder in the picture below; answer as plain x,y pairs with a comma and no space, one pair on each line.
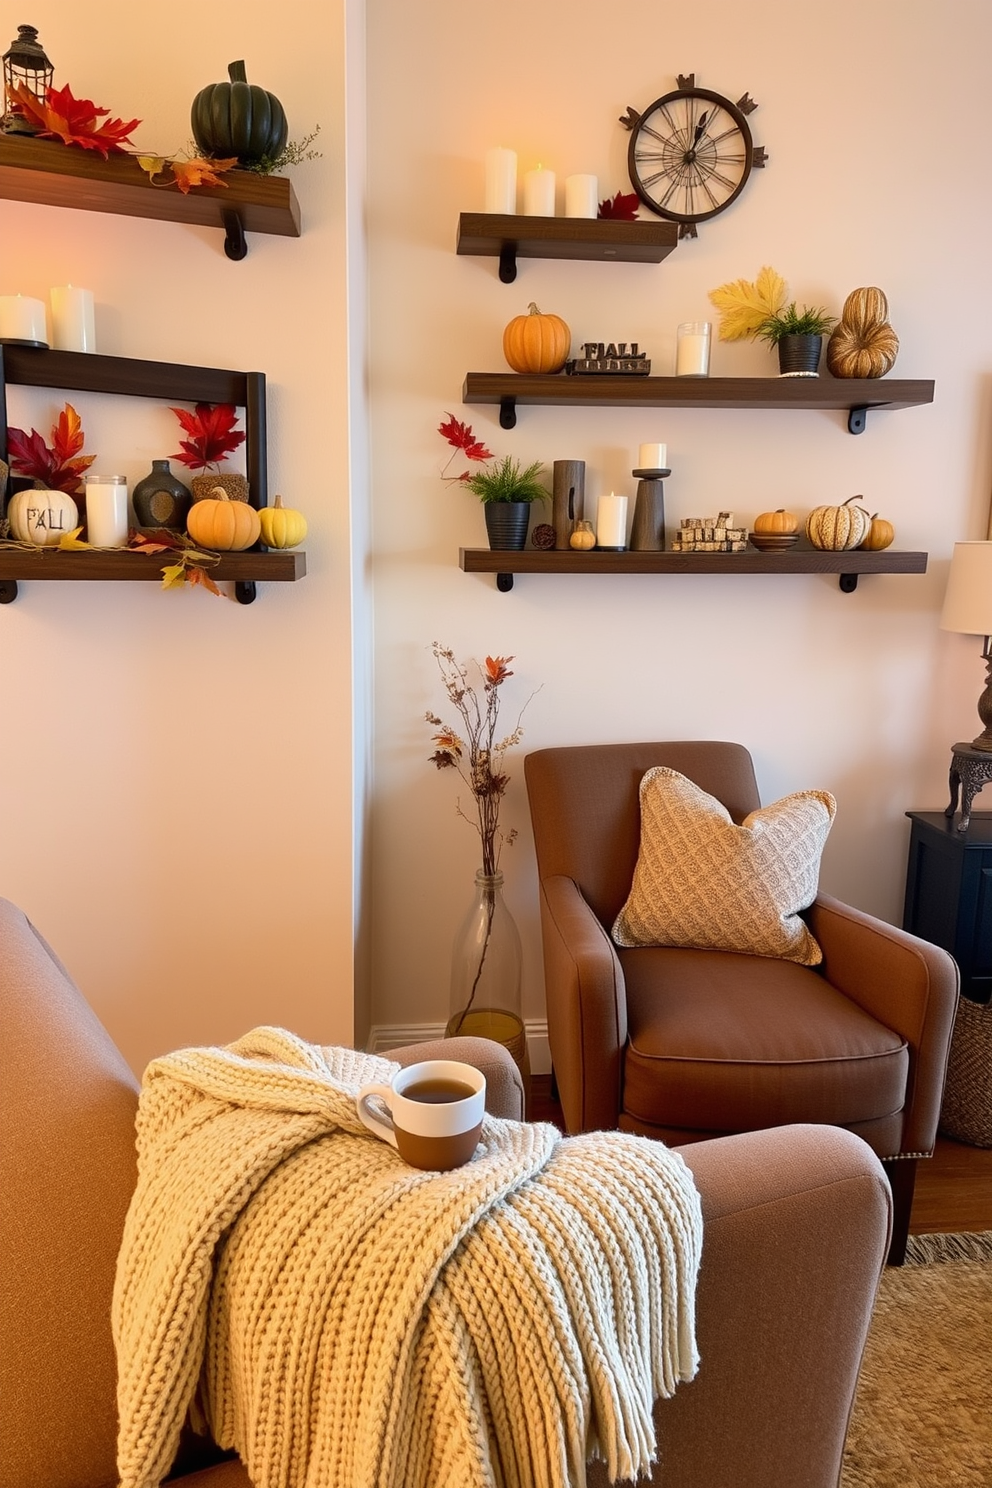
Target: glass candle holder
692,354
106,511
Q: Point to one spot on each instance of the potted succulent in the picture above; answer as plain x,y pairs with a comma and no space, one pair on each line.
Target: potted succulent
798,335
506,488
758,311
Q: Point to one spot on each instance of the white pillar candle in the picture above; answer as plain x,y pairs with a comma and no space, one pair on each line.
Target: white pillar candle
106,511
23,319
73,325
539,193
652,457
692,356
611,522
581,196
501,181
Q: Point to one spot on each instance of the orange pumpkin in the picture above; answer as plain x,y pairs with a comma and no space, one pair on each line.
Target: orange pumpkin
881,534
224,525
778,522
536,342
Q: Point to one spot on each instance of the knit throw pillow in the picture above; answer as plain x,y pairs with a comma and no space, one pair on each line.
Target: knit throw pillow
702,881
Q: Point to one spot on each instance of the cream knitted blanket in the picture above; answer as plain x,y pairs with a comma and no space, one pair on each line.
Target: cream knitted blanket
346,1321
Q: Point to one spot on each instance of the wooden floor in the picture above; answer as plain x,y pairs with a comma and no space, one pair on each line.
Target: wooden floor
953,1188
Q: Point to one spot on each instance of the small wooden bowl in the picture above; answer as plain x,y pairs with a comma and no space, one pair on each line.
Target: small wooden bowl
773,542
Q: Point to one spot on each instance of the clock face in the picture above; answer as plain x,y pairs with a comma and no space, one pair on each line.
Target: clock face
690,154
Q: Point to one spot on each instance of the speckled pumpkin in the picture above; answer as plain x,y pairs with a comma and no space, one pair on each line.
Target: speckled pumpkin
224,525
837,528
863,344
537,343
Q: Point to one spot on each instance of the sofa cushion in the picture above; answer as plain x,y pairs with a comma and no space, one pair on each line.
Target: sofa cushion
719,1042
701,880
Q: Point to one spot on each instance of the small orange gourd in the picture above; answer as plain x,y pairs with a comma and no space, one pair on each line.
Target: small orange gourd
537,343
778,522
224,525
881,534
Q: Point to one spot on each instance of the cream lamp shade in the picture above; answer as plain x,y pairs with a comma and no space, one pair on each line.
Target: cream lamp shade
968,610
968,600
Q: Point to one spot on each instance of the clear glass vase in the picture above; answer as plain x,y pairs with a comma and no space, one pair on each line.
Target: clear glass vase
485,974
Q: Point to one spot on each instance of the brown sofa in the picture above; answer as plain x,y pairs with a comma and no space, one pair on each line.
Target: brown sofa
795,1230
684,1044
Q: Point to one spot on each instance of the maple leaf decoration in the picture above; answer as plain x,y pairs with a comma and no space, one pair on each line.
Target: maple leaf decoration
620,208
211,435
59,468
76,121
460,437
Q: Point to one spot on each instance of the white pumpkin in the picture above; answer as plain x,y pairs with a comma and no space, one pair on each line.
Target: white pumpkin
42,517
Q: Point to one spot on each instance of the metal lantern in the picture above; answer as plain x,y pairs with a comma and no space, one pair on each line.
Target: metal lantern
26,66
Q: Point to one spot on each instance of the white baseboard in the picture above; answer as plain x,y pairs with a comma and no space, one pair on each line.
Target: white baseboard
386,1036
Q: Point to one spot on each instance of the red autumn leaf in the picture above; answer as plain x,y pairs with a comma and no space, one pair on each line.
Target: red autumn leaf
620,208
190,173
496,670
75,121
211,438
59,467
461,437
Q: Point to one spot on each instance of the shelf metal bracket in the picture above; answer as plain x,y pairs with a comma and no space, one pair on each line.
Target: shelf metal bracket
507,262
856,420
8,591
848,583
235,242
504,582
508,412
245,591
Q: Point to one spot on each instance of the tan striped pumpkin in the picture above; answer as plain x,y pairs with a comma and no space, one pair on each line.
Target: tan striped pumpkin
836,528
863,344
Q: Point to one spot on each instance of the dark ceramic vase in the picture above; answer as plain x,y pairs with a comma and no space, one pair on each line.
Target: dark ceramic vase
160,500
799,356
506,524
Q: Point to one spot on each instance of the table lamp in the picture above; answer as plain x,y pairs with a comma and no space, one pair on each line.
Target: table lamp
968,610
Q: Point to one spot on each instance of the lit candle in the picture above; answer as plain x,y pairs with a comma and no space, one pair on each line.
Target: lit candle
581,196
501,181
652,457
611,522
692,356
539,193
106,511
73,327
23,320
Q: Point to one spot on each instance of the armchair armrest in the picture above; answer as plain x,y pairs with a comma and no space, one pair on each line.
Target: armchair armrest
587,1007
504,1085
906,983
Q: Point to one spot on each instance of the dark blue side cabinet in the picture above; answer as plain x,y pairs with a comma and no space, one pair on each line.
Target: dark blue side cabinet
949,893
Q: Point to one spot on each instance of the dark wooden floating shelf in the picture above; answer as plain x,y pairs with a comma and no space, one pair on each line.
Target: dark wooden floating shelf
268,566
509,237
855,395
849,565
57,175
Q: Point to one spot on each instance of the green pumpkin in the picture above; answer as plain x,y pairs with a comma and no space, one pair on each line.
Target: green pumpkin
239,119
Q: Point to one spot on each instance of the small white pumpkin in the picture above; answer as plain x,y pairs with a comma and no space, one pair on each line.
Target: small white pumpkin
42,517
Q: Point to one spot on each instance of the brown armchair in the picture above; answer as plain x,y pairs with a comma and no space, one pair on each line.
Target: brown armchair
687,1044
795,1231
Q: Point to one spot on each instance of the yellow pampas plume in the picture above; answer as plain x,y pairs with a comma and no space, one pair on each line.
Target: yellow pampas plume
744,307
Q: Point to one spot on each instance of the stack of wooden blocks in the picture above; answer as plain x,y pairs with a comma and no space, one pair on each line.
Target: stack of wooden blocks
710,535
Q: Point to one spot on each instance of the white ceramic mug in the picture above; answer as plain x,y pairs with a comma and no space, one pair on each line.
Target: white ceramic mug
434,1112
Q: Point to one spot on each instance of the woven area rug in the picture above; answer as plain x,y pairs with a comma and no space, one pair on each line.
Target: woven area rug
923,1412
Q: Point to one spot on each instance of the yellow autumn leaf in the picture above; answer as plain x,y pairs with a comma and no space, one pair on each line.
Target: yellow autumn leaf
153,165
744,306
173,576
73,541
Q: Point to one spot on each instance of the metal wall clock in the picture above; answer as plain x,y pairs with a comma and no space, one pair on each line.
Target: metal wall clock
691,153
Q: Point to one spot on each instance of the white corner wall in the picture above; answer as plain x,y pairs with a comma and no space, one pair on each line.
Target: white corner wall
178,770
861,694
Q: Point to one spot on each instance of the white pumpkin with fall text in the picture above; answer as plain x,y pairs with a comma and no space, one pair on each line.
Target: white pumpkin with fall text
42,517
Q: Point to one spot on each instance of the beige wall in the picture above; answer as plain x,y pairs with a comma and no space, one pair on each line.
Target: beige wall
178,799
878,141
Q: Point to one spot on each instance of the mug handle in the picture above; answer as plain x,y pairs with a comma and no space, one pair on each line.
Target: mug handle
378,1125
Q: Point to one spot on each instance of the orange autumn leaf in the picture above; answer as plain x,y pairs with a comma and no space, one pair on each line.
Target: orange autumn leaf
75,121
196,575
199,172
